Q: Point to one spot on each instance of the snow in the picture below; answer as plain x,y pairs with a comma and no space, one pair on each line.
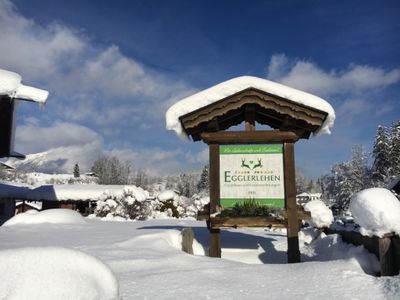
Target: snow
53,216
54,273
72,192
167,195
10,85
34,204
146,259
321,215
235,85
377,211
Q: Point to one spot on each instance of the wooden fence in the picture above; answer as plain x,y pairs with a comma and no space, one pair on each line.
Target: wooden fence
386,248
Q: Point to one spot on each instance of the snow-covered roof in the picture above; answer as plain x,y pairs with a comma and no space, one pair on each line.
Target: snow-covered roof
6,166
13,190
235,85
10,85
35,204
64,192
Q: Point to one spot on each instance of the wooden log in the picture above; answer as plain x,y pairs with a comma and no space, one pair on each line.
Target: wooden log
187,240
215,243
386,256
228,222
396,252
252,137
250,117
291,207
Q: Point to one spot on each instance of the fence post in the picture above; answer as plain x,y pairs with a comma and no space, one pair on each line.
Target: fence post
386,256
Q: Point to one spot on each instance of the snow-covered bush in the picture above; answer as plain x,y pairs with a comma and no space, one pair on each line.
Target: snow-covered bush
321,215
133,203
180,206
195,204
377,211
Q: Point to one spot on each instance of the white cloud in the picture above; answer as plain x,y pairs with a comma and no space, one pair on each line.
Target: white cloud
76,70
31,138
34,51
307,76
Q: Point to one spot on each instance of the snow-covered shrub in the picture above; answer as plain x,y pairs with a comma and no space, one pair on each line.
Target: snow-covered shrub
133,203
321,215
195,204
172,203
377,211
180,206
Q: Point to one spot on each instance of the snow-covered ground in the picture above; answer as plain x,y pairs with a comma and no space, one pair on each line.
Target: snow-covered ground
146,259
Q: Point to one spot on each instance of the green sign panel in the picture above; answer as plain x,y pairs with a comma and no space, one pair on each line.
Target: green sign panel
252,172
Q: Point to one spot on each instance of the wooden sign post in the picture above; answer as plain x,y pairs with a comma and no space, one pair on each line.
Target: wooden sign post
290,120
287,140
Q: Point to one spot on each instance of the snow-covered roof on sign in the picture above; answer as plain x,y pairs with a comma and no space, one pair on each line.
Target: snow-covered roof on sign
235,85
10,85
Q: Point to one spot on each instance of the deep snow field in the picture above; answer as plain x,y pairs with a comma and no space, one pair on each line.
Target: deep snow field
73,261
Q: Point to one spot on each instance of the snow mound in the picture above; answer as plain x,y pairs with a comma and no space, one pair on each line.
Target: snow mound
54,216
167,195
235,85
10,85
377,211
54,273
321,215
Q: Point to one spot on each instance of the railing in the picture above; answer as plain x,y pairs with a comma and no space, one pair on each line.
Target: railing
386,248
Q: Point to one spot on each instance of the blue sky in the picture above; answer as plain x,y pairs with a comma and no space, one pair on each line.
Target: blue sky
113,68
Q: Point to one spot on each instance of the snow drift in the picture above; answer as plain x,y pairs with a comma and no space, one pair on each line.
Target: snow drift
54,273
377,211
54,216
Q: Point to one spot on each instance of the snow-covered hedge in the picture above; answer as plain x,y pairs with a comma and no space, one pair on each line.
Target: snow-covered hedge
180,206
377,211
135,203
132,203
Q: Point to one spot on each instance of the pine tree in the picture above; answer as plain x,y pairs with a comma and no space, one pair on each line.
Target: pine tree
76,171
381,155
395,150
203,184
359,173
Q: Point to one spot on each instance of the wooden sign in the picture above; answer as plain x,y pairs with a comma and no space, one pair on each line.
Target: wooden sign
252,172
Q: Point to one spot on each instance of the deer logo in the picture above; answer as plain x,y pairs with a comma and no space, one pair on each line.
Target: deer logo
251,165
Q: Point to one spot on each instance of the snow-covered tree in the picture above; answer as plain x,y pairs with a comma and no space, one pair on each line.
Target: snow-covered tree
76,171
203,184
395,150
110,170
359,173
381,155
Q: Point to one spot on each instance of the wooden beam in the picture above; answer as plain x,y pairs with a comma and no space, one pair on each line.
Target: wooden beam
386,257
228,222
291,208
251,137
250,117
215,242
